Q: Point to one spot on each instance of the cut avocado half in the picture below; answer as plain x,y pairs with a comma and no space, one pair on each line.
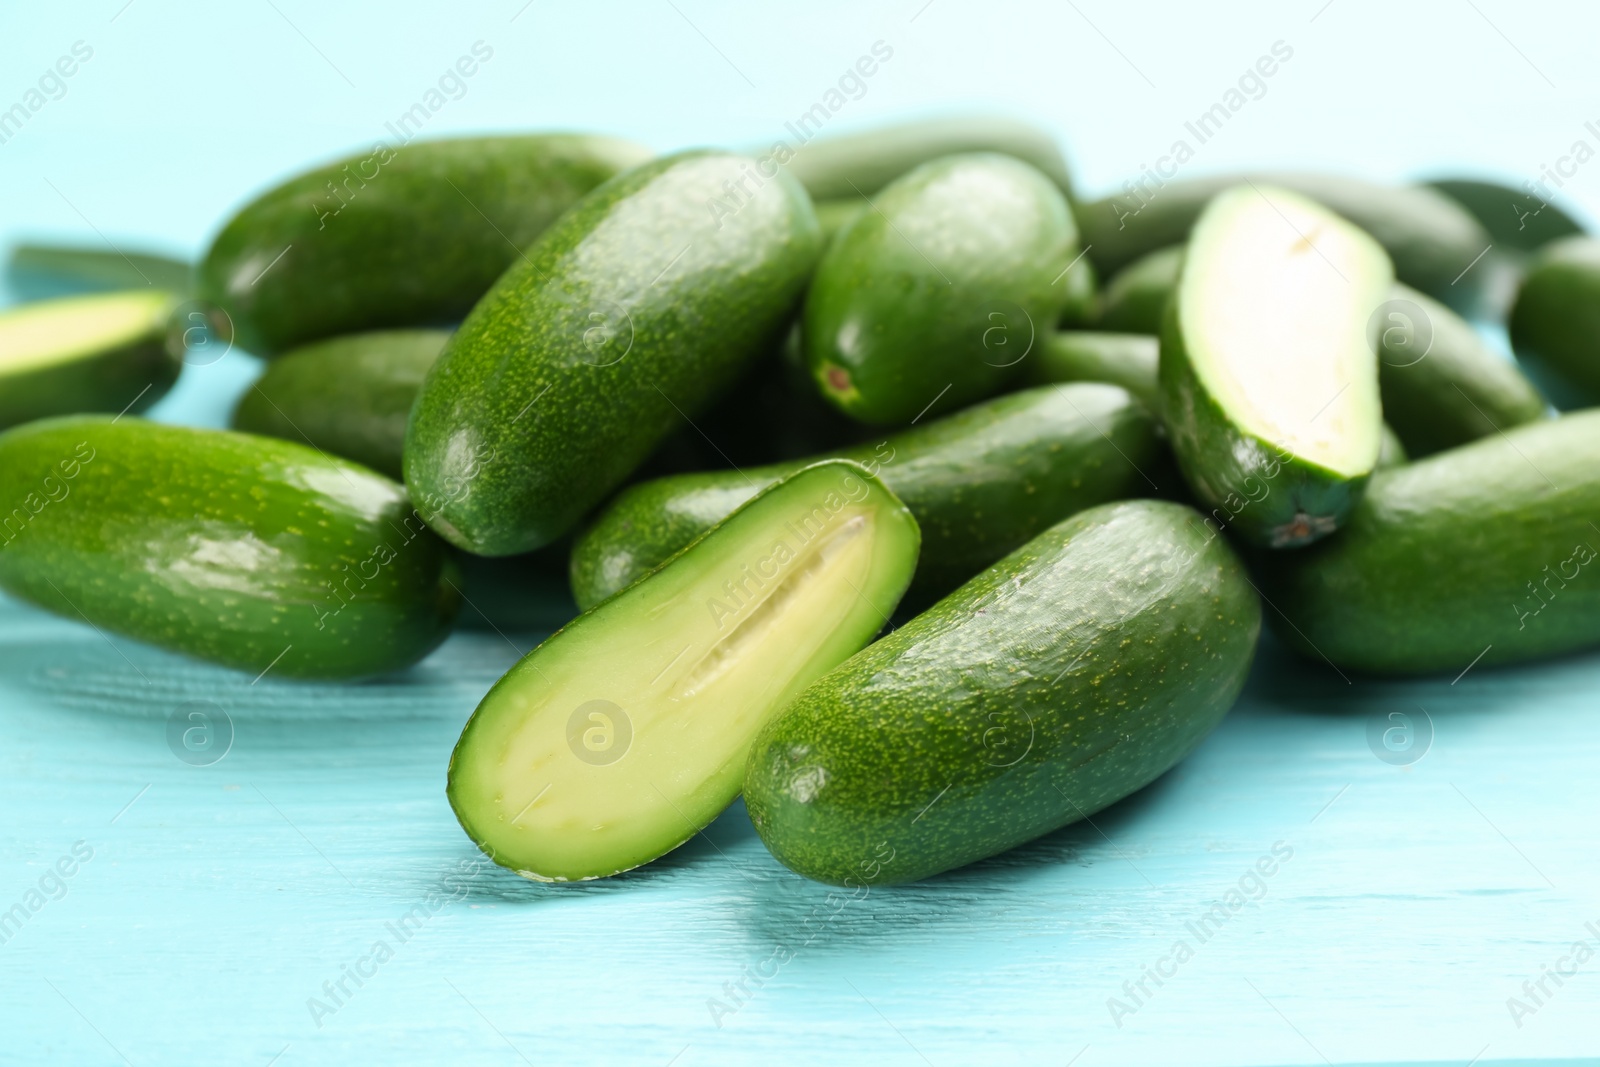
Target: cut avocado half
1268,369
626,732
97,353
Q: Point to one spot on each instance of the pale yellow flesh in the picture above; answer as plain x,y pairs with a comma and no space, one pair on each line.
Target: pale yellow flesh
1275,301
59,331
687,688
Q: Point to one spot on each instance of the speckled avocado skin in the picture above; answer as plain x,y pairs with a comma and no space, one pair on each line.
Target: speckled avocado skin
1555,322
1488,548
395,236
980,483
1068,675
349,396
626,318
933,299
246,551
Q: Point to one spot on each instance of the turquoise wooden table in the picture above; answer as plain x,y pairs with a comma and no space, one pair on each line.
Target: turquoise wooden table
1345,872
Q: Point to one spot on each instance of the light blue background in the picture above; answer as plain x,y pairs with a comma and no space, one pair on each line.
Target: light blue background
220,899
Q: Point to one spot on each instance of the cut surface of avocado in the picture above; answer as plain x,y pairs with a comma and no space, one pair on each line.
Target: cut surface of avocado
52,332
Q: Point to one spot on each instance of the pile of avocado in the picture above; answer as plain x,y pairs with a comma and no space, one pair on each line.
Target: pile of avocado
878,508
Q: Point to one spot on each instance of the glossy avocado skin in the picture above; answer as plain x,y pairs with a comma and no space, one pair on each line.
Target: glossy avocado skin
349,396
1555,322
1514,218
1466,552
631,313
932,300
979,482
242,550
1431,238
1130,360
1456,389
1136,296
1068,675
395,237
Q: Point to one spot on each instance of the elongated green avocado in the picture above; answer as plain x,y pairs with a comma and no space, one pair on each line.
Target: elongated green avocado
1442,385
1432,240
626,732
350,395
1068,675
1555,322
1514,218
1268,378
980,483
1136,296
1487,549
1130,360
933,299
247,551
108,352
624,320
94,270
405,236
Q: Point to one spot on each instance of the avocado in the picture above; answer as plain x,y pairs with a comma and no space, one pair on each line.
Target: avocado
106,352
1478,555
1127,359
932,300
74,268
1514,218
247,551
1268,378
347,395
626,732
1136,296
635,310
1555,322
980,483
408,236
1068,675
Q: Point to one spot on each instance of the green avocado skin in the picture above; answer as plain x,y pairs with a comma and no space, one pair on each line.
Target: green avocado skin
1456,390
1431,238
1070,674
242,550
630,315
349,396
1513,218
979,482
1267,496
1488,548
1555,322
932,300
1127,359
1136,296
127,377
397,236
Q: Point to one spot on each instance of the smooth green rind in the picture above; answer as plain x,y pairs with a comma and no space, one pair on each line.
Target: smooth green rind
1442,385
1487,549
980,483
350,396
860,164
1127,359
128,372
682,766
636,309
1432,240
1391,452
247,551
403,236
1136,296
1068,675
97,269
1514,218
1555,322
835,215
1269,494
932,300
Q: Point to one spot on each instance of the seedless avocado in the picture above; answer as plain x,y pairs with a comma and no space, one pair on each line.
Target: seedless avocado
932,299
626,732
80,269
105,352
1269,381
1555,322
1136,296
350,396
623,321
1068,675
980,483
402,236
246,551
1130,360
1487,550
